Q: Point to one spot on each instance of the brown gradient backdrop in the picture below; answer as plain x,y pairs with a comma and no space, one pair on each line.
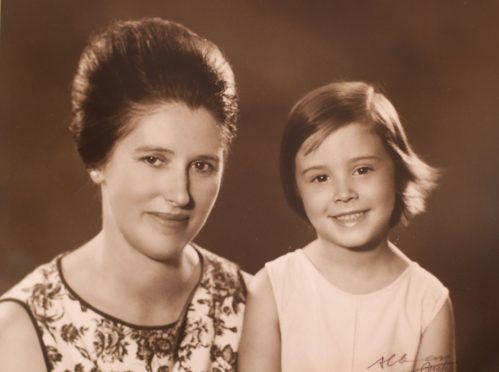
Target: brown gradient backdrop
438,62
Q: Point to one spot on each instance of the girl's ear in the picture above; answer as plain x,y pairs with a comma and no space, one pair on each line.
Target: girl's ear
97,176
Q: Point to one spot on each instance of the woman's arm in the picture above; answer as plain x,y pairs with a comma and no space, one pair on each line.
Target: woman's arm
437,348
20,349
260,348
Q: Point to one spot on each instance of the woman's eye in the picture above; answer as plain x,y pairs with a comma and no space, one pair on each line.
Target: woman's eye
319,179
153,161
362,170
202,166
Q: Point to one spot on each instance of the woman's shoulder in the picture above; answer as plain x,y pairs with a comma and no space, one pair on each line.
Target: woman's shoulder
43,275
220,272
217,264
14,319
215,259
19,338
20,335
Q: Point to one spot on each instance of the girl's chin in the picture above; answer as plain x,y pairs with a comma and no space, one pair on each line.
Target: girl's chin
355,243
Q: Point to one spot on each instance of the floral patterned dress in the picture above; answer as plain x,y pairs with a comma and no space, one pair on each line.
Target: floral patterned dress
74,336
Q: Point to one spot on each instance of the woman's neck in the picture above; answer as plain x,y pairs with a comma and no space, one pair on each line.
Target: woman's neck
121,281
357,271
119,261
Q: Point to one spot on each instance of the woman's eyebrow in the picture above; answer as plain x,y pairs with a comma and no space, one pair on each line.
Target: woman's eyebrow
159,149
154,149
212,158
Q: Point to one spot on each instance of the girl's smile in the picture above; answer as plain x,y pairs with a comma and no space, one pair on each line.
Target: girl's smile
347,185
349,219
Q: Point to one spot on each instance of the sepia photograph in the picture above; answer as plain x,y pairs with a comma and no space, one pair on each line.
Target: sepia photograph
249,186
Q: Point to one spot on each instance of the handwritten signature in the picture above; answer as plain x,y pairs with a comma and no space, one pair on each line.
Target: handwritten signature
442,363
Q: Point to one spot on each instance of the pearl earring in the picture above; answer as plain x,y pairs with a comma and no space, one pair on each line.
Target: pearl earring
96,176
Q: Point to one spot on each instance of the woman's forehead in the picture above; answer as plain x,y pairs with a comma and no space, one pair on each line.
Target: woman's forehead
173,126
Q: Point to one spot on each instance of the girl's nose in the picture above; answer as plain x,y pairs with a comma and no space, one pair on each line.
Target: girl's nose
177,189
345,193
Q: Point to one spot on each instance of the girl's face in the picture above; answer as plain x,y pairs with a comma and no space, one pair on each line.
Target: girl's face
347,185
162,179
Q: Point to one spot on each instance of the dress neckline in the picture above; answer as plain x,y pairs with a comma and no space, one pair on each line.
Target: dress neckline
315,272
105,315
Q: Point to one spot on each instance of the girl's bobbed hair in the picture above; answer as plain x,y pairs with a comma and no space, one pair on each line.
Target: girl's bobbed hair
135,65
323,110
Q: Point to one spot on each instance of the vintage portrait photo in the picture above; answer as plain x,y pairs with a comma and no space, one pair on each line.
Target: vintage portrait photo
254,186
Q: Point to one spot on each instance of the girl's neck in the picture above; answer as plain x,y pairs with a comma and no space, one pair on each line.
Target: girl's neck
351,258
357,271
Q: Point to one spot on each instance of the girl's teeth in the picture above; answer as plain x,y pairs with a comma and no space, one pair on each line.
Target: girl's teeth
350,217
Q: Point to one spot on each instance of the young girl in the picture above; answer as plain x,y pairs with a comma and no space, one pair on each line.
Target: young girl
349,300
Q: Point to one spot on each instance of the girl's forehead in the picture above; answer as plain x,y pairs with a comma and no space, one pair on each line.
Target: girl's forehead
317,138
350,140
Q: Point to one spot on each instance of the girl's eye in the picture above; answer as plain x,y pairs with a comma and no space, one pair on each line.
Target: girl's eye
321,178
362,170
153,161
203,167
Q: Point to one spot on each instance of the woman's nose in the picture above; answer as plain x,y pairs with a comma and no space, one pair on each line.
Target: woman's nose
177,189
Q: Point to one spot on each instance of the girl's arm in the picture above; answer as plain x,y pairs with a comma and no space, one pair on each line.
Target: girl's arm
20,349
260,348
437,348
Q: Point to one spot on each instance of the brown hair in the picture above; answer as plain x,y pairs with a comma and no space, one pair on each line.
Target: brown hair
135,64
329,107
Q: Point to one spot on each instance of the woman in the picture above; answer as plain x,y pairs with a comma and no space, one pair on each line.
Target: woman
154,109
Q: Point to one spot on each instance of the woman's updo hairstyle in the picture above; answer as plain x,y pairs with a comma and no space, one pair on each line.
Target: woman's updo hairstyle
135,65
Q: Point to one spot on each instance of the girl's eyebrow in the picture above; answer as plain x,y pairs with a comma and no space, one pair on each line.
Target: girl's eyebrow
312,168
352,160
364,157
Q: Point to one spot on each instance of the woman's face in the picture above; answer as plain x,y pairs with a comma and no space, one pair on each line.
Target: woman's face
162,179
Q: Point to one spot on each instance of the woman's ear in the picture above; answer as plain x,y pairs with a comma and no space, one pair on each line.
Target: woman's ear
96,176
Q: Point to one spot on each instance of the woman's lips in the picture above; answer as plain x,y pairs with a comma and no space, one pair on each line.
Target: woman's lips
173,220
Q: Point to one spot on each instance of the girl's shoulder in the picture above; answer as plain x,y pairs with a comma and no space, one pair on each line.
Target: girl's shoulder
290,265
268,281
285,274
423,280
285,261
424,294
420,280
